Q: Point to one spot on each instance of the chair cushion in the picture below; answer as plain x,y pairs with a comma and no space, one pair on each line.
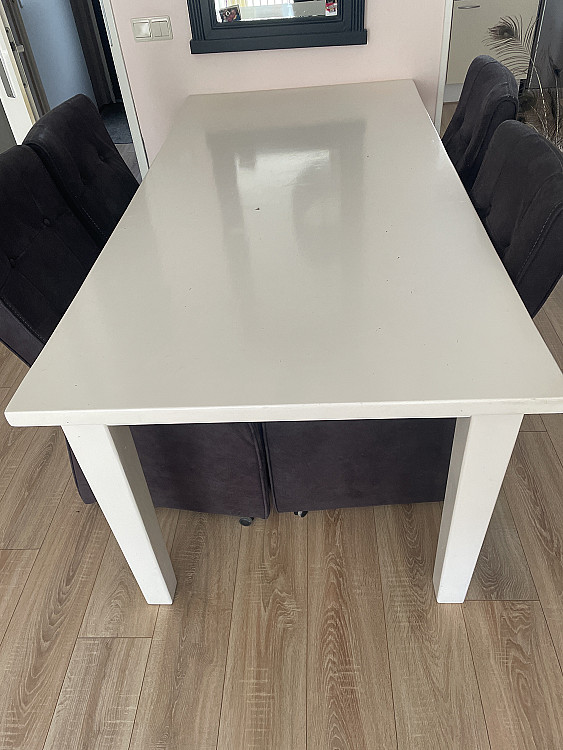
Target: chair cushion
489,97
74,145
45,256
320,465
518,195
211,468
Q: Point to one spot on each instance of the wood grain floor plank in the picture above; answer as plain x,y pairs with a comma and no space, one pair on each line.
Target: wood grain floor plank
264,699
117,607
34,493
15,566
437,703
553,308
40,638
554,427
549,322
180,701
12,369
533,487
14,442
532,423
550,335
519,678
502,571
349,697
98,701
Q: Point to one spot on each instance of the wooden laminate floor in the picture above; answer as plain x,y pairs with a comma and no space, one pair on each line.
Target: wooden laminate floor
318,633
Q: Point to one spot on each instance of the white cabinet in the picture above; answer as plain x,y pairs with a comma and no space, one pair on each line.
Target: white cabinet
471,22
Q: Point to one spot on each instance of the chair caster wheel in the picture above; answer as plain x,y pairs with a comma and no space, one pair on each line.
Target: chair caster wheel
246,520
300,513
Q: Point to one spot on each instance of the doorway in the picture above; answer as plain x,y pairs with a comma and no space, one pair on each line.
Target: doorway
503,29
481,28
527,37
65,47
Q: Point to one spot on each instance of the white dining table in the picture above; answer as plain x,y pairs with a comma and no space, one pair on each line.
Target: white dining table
303,254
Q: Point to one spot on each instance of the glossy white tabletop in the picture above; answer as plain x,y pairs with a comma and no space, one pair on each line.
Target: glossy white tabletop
295,254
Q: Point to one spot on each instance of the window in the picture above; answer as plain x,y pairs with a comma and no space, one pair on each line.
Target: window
237,25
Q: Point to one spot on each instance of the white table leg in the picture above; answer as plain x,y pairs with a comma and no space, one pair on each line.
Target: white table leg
481,451
109,460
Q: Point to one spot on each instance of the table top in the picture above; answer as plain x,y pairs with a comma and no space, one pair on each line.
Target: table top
295,254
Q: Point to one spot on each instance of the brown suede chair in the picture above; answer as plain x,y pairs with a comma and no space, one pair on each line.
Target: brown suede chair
489,97
46,253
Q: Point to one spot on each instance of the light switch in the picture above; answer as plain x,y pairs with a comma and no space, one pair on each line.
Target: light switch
161,28
151,29
141,29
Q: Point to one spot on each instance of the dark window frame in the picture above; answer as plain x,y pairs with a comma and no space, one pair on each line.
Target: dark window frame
208,35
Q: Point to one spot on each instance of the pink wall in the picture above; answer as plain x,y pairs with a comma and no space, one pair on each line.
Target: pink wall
404,41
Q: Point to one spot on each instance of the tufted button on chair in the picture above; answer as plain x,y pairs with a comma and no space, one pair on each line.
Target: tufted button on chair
518,194
489,97
72,142
45,255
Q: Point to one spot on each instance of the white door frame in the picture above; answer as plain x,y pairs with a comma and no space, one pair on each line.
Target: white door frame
18,110
120,69
12,92
446,33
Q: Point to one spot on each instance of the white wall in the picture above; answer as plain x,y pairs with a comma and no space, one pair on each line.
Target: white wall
404,42
56,47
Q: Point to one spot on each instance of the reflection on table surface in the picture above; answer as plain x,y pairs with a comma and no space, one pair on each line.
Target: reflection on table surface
229,11
306,176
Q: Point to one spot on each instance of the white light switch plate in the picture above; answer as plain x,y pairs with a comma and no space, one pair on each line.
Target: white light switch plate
151,29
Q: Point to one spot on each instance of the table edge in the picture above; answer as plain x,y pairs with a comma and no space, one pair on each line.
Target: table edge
287,412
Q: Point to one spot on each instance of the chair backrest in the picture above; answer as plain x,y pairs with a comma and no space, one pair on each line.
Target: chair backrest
74,145
518,194
489,97
45,253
